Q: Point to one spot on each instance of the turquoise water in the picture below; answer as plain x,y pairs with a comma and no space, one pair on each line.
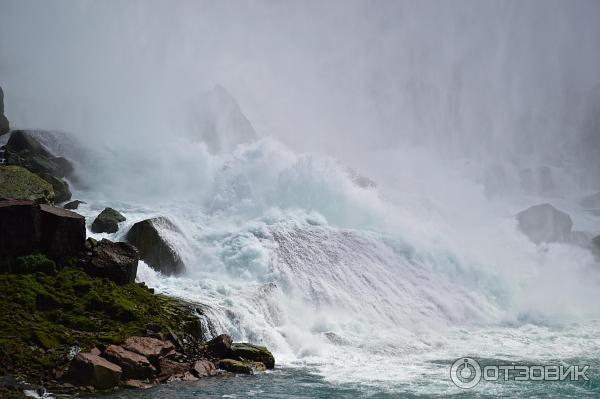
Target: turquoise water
296,383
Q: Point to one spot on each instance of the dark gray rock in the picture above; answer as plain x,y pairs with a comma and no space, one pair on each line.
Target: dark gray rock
154,249
545,223
220,346
254,353
19,227
73,205
117,261
4,125
107,221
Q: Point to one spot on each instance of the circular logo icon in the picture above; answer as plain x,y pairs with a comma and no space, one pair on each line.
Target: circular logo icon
465,373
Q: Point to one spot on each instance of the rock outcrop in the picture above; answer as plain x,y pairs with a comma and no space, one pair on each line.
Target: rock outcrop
17,182
154,249
117,261
152,348
23,150
107,221
4,125
544,223
240,367
219,346
95,371
40,228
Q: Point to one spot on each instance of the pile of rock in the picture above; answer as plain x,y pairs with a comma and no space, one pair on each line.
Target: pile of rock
141,362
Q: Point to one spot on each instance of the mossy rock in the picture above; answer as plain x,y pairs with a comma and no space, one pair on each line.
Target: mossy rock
107,221
42,316
241,367
17,182
255,353
33,264
62,192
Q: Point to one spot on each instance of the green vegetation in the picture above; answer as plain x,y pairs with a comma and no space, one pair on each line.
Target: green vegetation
43,315
19,183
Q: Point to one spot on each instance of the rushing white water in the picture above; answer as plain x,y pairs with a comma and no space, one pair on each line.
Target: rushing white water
287,251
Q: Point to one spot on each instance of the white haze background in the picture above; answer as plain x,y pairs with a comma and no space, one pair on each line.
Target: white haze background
424,97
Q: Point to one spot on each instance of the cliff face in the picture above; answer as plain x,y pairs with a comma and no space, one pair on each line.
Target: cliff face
4,126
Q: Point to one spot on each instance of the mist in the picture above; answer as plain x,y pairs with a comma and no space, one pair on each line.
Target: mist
493,80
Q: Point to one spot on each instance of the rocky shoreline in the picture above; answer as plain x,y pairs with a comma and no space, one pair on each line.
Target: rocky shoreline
73,319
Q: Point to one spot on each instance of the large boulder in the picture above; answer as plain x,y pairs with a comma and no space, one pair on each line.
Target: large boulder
254,353
117,261
62,232
26,151
157,252
107,221
19,228
4,125
152,348
134,365
61,189
92,370
18,183
219,347
203,368
545,223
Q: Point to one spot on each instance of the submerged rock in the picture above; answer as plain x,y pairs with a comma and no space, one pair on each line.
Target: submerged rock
154,249
117,261
92,370
17,182
545,223
107,221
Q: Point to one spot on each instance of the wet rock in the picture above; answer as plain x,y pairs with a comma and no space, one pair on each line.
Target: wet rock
61,189
240,367
95,371
17,182
254,353
545,223
73,205
203,368
134,365
154,249
136,384
107,221
219,347
62,232
117,261
26,151
153,349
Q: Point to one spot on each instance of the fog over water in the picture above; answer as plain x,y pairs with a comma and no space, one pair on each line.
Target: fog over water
344,175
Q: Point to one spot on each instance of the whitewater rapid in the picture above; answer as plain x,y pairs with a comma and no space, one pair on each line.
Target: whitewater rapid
375,286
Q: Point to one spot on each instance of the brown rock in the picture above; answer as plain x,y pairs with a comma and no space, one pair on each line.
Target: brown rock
151,348
204,368
134,365
87,369
170,367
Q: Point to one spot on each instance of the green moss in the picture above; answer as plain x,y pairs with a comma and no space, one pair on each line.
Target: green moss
18,183
35,263
42,316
